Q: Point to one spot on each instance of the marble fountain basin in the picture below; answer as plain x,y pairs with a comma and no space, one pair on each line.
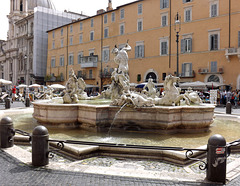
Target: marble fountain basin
145,118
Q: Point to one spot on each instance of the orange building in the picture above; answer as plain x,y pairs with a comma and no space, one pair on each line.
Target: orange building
209,41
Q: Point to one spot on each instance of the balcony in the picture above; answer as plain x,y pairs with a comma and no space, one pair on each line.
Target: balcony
89,61
105,74
209,71
232,52
190,74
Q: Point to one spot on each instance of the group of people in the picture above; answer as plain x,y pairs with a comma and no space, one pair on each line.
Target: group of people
229,96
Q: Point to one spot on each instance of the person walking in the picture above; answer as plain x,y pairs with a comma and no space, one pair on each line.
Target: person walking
14,93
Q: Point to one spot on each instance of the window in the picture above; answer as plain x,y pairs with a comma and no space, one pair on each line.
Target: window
122,12
70,59
140,7
80,74
163,47
53,62
139,25
188,15
71,41
187,1
213,66
164,4
164,20
113,16
213,78
92,21
80,38
214,42
105,55
61,42
214,9
91,35
61,31
187,70
53,34
122,29
105,19
186,45
80,59
61,63
106,32
81,26
90,74
139,50
71,28
53,44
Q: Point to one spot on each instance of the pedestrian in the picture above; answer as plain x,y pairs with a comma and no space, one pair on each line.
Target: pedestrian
14,93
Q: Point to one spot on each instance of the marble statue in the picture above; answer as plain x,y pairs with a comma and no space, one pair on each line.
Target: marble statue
75,90
150,90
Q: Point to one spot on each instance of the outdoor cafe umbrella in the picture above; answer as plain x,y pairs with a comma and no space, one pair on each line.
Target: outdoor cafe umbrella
22,86
197,85
57,86
34,86
5,82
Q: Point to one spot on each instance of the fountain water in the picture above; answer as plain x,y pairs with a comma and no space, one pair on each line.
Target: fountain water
145,110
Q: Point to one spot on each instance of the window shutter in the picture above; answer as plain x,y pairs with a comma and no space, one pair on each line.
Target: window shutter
136,51
191,72
238,38
161,4
190,44
167,3
183,69
142,51
182,45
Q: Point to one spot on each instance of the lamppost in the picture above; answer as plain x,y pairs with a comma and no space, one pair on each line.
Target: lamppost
177,28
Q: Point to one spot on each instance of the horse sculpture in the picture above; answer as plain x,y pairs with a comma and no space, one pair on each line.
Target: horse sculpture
172,94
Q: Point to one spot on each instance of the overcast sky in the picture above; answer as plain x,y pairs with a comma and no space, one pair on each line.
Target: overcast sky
88,7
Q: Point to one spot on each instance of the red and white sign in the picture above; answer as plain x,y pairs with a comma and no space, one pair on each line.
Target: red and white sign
220,150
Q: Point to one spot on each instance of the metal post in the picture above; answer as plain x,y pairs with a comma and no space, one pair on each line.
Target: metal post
216,159
177,40
7,133
7,103
228,108
27,102
40,146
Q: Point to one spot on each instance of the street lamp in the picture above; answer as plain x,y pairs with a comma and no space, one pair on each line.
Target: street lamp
177,28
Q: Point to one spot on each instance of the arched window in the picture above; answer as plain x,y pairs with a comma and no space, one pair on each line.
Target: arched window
213,78
151,75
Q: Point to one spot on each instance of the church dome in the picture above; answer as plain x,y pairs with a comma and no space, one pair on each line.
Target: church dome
43,3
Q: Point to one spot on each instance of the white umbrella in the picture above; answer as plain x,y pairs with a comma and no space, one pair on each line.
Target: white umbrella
34,86
57,86
5,82
22,86
194,85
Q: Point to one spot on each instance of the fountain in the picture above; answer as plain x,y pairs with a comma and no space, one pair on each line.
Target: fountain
142,111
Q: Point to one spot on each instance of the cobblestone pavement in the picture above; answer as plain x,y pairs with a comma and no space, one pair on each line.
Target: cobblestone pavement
14,173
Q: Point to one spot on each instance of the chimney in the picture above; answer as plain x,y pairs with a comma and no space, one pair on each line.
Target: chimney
109,8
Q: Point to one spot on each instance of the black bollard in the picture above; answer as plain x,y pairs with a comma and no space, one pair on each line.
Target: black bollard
40,146
27,102
7,103
228,108
216,159
7,132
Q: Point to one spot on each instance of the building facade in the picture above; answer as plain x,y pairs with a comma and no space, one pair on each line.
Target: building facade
208,47
23,56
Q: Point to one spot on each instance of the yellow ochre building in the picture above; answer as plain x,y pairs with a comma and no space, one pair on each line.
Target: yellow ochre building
208,44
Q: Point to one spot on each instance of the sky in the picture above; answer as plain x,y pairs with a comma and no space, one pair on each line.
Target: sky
87,7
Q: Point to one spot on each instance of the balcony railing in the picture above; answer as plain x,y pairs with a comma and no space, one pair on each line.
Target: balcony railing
209,71
190,74
232,52
89,61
